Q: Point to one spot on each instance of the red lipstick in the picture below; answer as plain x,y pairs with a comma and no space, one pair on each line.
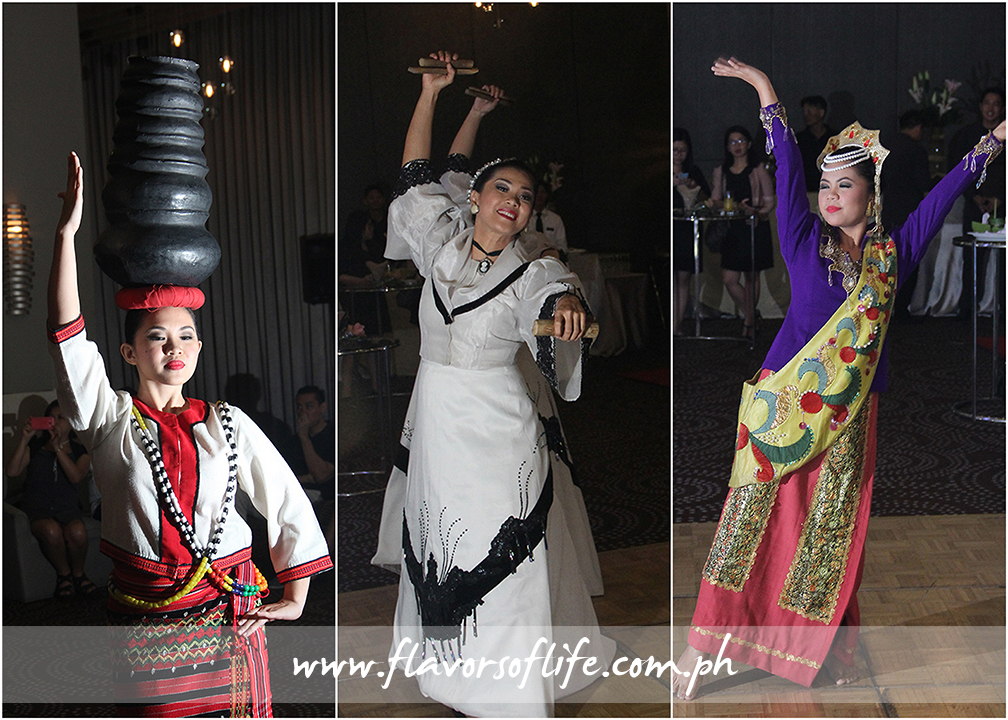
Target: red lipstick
175,365
832,209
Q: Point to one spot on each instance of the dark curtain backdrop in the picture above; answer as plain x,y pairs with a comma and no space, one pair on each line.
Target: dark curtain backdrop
592,88
271,151
861,57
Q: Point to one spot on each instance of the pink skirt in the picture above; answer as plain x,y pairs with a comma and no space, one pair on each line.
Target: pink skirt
782,577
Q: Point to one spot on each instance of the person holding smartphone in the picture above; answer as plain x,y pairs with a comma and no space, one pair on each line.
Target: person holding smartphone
55,462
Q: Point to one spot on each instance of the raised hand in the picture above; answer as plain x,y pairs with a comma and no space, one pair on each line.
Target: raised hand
27,433
435,82
482,106
73,197
733,67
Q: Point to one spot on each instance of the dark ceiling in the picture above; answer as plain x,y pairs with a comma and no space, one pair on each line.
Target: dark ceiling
113,22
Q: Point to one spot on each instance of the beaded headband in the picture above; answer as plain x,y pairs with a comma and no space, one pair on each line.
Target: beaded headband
491,164
852,145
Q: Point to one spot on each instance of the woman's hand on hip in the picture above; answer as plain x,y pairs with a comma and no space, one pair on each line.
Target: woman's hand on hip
282,610
290,608
569,319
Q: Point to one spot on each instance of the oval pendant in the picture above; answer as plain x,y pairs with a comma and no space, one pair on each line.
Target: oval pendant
483,266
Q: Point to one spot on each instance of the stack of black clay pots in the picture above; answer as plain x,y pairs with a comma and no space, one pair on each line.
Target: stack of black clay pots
157,200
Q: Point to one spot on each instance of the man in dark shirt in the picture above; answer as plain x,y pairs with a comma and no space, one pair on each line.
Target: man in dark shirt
980,200
905,182
813,139
315,459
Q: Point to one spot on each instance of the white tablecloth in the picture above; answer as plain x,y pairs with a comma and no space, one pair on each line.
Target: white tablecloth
617,297
940,277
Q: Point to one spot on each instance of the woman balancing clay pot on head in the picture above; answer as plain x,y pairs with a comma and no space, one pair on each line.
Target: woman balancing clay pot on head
483,575
787,557
168,468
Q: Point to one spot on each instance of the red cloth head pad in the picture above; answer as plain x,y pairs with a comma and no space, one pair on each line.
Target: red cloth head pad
152,297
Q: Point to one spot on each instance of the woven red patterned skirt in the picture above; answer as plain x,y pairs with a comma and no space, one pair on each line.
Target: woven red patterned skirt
786,562
186,659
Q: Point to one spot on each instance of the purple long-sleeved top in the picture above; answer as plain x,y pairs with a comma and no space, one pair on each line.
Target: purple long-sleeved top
816,290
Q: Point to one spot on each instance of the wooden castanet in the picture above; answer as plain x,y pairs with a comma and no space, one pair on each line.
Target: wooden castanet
544,328
484,95
441,71
433,63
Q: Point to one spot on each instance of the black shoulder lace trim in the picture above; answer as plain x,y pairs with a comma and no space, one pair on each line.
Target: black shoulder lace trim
415,172
446,599
546,345
457,162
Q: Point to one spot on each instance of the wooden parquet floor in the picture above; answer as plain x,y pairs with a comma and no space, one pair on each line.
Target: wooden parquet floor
932,602
636,594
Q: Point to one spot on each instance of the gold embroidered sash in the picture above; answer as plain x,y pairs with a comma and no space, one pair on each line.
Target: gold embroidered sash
793,415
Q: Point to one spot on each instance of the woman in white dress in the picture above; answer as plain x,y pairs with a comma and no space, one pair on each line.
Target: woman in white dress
488,566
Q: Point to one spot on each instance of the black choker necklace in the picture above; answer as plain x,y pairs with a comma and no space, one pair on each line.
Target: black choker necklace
486,262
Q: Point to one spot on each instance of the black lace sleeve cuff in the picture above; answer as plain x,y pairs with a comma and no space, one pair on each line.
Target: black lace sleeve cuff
415,172
546,345
457,162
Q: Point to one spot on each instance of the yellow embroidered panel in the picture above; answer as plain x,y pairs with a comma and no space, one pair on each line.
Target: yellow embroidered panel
760,648
820,560
739,532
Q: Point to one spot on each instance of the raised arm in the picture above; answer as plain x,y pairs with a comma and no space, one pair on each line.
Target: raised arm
418,137
757,78
926,220
64,300
795,221
465,138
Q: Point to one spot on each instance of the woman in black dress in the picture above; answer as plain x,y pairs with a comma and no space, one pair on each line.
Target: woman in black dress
690,188
56,462
743,178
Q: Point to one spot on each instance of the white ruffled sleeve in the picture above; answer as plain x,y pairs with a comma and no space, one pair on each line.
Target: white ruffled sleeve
85,395
297,546
539,289
424,214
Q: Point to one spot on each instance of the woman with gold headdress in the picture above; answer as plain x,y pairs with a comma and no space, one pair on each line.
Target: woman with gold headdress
779,589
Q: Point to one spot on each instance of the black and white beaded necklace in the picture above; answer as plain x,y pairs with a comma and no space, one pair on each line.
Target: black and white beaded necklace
166,495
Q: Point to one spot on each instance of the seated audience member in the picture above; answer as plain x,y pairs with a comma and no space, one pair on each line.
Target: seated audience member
362,261
315,459
244,391
55,462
